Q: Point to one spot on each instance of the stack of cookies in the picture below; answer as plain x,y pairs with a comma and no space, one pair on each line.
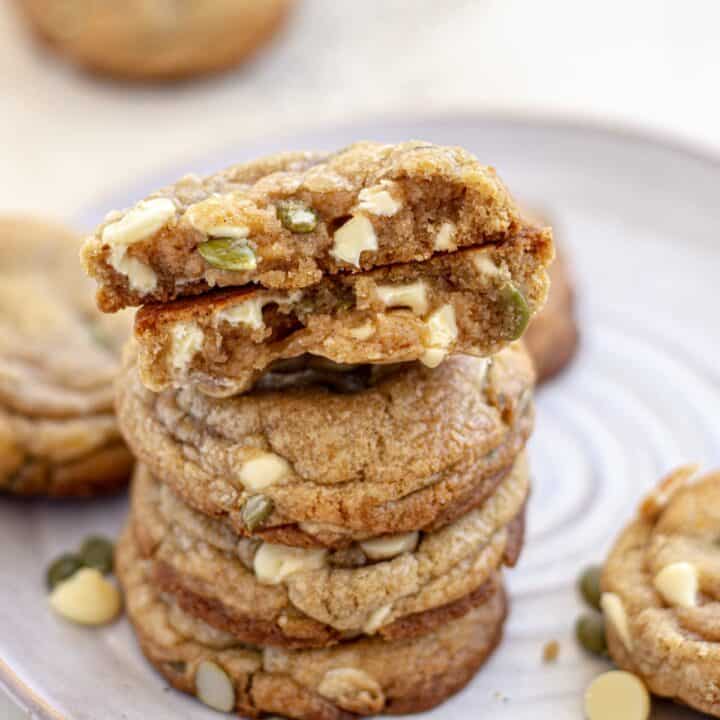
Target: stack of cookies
330,410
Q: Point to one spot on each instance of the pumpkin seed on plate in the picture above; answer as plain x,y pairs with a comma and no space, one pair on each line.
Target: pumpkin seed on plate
61,569
589,585
97,552
590,633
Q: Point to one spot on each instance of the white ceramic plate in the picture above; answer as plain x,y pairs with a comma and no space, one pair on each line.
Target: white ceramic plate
641,221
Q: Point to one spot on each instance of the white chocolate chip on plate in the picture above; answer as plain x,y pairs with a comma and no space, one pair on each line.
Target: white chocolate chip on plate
411,295
678,584
356,236
86,598
614,611
390,546
214,687
274,563
617,695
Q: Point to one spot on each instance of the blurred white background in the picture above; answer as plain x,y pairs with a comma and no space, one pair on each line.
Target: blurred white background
69,139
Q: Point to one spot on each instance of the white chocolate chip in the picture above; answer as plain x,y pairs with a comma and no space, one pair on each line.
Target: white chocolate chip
141,277
485,265
377,619
442,331
187,340
250,312
214,687
86,598
352,690
411,295
617,695
614,611
390,546
678,584
211,217
356,236
362,332
145,219
274,563
378,200
263,470
445,238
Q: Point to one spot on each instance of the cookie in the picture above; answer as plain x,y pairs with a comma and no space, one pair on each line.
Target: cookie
472,301
359,677
269,594
58,361
285,221
142,40
386,459
552,336
661,588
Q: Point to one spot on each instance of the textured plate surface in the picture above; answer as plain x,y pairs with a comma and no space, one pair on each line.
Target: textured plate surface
640,220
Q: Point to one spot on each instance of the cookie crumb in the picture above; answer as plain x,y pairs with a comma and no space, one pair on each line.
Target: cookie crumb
551,650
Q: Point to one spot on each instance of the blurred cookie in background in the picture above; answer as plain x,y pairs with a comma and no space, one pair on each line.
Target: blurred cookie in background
156,39
552,337
58,360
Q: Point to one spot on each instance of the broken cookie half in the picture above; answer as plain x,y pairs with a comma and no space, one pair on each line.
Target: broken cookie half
289,220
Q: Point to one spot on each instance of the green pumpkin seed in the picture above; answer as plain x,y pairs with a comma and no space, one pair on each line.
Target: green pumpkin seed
256,511
590,633
228,254
296,216
97,552
516,305
589,586
61,569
